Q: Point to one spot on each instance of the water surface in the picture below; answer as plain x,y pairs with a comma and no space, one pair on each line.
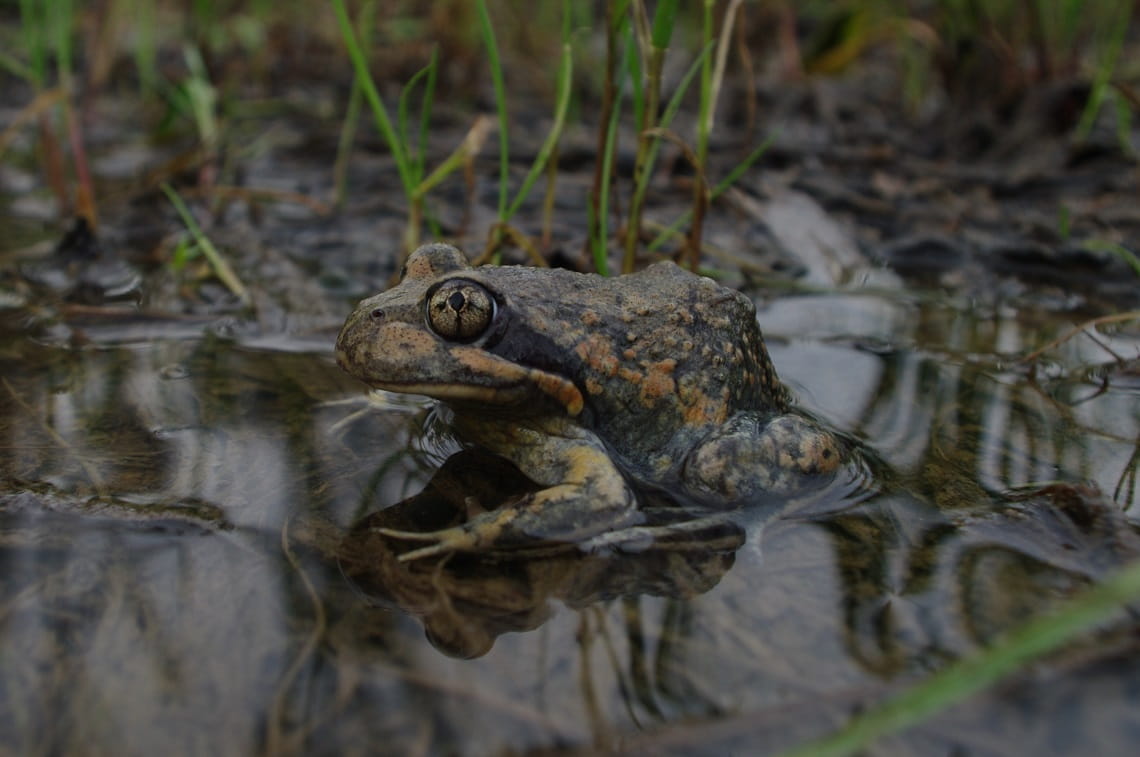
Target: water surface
181,566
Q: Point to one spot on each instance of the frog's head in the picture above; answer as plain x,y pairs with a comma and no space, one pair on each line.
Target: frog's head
433,334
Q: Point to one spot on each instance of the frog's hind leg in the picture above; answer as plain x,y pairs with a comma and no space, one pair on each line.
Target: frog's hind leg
755,456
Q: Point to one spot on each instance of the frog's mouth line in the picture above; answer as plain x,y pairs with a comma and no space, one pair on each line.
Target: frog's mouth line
562,391
497,395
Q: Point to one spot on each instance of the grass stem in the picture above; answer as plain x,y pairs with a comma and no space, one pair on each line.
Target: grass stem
487,30
658,44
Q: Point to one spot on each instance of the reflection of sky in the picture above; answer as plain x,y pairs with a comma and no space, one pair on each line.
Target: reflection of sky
1064,427
836,382
810,340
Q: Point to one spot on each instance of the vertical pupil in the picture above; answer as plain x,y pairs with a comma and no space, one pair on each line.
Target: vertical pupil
456,301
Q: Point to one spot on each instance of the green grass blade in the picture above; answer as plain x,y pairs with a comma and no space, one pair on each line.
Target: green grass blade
218,263
704,108
201,97
740,168
488,33
33,26
1119,250
146,47
635,76
562,104
16,67
664,18
601,240
379,112
968,676
470,145
673,229
654,145
1102,78
418,160
425,113
344,142
704,128
674,104
61,19
352,111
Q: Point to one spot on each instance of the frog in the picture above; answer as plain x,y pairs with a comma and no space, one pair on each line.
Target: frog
594,387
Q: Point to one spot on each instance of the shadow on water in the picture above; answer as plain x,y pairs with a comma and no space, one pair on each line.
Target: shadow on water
188,554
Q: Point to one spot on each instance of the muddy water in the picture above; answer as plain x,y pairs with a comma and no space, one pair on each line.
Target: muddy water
180,563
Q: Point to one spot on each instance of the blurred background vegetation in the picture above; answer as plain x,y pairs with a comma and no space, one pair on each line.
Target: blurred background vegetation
957,46
201,67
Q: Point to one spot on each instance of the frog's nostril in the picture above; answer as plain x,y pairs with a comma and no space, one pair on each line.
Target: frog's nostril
377,314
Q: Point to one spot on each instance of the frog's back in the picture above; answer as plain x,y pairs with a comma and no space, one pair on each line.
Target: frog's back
660,355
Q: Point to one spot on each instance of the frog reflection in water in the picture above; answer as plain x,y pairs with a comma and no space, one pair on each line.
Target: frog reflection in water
584,382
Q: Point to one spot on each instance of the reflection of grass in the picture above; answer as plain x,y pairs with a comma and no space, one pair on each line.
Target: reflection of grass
1131,315
971,675
1125,490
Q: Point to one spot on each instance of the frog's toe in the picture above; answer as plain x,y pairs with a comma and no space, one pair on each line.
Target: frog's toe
439,548
396,533
458,539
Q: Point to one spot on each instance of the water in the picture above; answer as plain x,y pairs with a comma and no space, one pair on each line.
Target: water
180,564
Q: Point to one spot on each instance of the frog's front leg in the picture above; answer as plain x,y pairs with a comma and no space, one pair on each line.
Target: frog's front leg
755,456
584,495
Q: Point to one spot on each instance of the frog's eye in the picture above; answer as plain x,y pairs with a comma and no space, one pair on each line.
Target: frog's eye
460,310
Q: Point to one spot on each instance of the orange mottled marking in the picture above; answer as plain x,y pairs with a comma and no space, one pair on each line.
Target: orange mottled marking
629,375
658,381
699,409
485,364
560,389
598,354
563,391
